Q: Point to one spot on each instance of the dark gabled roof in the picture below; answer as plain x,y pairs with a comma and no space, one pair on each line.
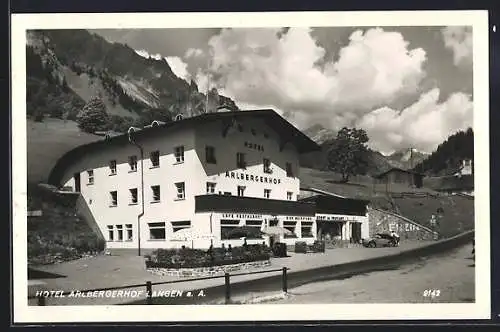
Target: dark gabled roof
337,205
286,131
396,169
226,203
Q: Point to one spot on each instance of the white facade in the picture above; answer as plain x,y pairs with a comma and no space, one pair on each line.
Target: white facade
115,199
346,224
466,168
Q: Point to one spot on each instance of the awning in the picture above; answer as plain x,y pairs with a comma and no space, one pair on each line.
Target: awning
189,234
276,230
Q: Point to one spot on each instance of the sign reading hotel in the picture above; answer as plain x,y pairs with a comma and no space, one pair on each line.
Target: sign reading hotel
252,178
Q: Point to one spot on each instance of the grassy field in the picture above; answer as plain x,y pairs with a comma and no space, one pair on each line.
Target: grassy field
47,141
457,212
358,186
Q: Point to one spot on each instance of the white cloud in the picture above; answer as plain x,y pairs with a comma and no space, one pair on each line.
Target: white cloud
423,125
193,52
178,66
264,67
146,55
459,40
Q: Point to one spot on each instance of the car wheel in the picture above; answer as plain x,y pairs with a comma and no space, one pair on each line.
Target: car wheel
372,245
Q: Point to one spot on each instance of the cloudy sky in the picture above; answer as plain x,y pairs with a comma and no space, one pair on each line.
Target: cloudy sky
406,86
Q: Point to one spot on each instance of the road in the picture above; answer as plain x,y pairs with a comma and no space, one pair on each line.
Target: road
115,271
450,276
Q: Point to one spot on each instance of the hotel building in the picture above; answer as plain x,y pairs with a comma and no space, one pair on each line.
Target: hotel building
210,173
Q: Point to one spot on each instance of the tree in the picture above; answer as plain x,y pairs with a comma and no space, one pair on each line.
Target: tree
93,116
348,154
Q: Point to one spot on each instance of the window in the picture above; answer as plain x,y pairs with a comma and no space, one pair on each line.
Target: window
241,191
181,194
211,188
157,231
290,225
112,167
240,160
254,224
128,228
306,229
90,175
114,198
210,155
111,233
156,193
133,196
226,226
289,170
178,225
267,193
155,158
132,162
267,166
119,231
179,154
289,195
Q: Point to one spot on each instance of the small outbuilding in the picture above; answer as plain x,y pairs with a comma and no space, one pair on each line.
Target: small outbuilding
400,176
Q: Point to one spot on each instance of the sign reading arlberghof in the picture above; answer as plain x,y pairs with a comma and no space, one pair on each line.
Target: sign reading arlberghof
251,177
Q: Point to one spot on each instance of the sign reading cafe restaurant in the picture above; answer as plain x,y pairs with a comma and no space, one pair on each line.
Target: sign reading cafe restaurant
251,177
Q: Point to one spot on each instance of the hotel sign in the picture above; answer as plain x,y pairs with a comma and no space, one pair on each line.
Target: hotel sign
254,146
252,178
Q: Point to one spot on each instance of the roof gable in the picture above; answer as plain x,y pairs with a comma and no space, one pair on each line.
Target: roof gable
286,131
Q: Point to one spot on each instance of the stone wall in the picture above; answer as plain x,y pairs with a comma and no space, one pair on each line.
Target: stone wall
219,270
384,221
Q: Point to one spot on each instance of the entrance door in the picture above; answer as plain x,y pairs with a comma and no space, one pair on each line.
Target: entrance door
356,232
76,176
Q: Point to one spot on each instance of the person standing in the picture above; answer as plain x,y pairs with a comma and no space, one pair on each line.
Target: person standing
395,237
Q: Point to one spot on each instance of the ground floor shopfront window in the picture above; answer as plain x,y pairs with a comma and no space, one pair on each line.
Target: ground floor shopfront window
330,230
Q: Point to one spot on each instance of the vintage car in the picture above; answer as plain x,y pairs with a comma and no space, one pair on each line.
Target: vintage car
379,240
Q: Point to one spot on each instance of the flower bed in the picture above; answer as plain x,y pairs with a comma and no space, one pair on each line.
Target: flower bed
197,258
209,271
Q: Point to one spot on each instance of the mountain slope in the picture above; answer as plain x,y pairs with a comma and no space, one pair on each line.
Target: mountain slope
65,68
320,134
378,162
449,154
406,159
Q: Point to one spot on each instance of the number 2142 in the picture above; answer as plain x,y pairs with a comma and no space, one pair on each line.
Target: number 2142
432,292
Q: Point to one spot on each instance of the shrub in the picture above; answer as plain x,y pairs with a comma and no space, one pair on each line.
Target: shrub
318,246
194,258
301,247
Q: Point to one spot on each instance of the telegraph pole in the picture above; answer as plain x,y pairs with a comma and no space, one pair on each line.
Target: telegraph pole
411,167
208,83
